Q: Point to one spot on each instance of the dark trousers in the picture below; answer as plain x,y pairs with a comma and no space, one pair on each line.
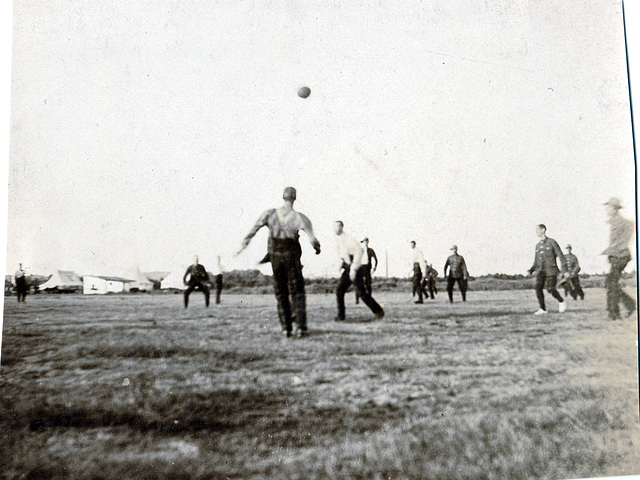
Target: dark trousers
288,284
417,283
572,287
615,294
218,287
203,287
549,281
366,280
345,283
22,289
462,284
429,286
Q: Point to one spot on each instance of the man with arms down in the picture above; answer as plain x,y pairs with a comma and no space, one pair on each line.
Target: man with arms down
619,255
284,253
350,253
545,268
457,273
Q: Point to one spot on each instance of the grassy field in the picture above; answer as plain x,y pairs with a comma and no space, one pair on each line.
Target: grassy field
136,387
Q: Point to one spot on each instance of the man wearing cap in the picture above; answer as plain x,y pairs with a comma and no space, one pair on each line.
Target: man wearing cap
196,278
350,254
368,268
284,253
457,273
619,255
572,282
419,263
545,268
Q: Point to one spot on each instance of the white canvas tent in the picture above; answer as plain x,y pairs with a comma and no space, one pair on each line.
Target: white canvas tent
174,279
63,281
100,285
140,281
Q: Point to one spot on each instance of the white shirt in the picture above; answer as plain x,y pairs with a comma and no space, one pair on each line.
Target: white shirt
417,256
348,246
365,256
217,269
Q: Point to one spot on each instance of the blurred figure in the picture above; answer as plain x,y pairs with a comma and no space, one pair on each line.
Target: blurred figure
350,252
572,281
196,279
22,288
545,268
368,256
619,255
429,281
457,273
284,253
418,262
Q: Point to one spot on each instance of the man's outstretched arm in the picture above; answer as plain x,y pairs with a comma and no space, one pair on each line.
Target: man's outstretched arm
262,222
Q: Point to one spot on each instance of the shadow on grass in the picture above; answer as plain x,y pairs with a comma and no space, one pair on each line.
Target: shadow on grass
274,415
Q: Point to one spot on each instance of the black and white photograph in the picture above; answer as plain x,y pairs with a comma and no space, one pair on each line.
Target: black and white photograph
320,240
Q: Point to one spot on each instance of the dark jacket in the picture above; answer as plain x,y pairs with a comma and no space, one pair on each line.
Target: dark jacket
372,255
196,273
547,250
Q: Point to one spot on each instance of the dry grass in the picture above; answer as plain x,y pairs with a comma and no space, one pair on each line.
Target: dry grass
135,387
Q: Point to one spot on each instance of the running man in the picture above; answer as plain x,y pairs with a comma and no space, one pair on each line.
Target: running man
545,269
284,253
368,257
418,262
350,253
619,255
572,284
429,281
457,273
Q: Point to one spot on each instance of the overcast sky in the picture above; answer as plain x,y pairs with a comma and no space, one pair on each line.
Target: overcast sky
143,133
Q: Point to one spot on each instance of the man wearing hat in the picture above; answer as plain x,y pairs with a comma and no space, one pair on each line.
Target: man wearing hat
284,253
457,273
545,268
619,255
572,282
368,256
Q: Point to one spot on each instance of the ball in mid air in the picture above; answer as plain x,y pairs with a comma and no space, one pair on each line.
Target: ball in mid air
304,92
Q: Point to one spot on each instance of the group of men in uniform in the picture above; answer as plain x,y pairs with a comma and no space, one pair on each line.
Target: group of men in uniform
359,262
455,271
357,265
547,273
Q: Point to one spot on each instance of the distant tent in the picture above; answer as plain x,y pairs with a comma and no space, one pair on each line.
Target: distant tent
140,281
62,281
156,277
174,279
100,285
